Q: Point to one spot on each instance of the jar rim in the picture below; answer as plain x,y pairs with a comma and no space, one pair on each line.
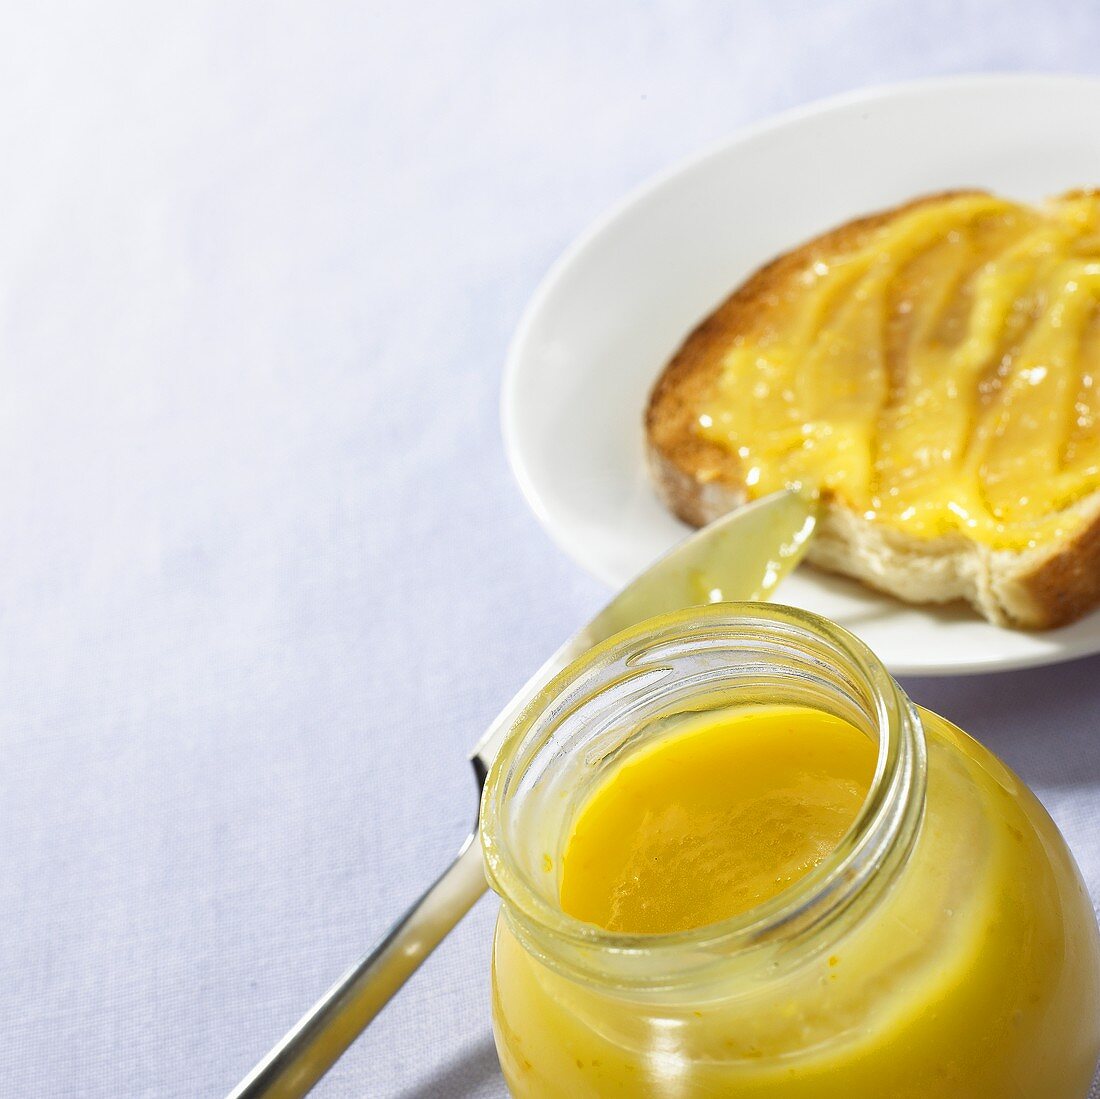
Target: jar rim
886,822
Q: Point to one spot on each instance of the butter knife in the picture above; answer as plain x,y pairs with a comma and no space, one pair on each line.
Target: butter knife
742,555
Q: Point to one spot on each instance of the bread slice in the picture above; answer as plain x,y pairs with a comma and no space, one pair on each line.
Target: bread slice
698,479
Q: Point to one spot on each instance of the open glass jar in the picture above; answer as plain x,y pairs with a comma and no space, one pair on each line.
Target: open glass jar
946,948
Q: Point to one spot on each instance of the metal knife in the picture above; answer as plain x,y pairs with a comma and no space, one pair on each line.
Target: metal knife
742,555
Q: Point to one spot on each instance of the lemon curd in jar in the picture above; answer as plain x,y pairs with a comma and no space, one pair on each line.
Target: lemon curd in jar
716,819
735,860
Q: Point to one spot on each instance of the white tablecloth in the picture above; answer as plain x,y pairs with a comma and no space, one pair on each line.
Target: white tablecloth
264,574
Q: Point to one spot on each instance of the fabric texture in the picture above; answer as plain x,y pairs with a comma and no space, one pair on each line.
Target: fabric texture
264,574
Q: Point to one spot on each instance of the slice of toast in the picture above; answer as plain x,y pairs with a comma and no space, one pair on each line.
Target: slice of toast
1044,585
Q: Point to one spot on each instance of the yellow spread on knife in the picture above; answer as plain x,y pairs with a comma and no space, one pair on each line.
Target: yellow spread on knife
938,376
715,819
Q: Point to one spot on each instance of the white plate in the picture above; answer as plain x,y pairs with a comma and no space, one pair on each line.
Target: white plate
615,307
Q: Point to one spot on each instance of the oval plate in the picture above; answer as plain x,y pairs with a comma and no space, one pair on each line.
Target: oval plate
615,307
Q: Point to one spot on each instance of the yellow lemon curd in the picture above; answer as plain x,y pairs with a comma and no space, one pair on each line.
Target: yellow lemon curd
715,820
975,975
938,376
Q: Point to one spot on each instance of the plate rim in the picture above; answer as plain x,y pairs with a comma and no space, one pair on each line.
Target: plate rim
560,269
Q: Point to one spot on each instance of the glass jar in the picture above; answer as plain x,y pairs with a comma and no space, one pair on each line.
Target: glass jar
946,948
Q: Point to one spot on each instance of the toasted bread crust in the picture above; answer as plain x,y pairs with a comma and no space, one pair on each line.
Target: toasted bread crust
1057,585
699,481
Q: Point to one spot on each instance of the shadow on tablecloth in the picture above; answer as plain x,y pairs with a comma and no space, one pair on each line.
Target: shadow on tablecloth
462,1077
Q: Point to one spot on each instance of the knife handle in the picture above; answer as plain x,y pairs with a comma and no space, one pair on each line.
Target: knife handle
315,1043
